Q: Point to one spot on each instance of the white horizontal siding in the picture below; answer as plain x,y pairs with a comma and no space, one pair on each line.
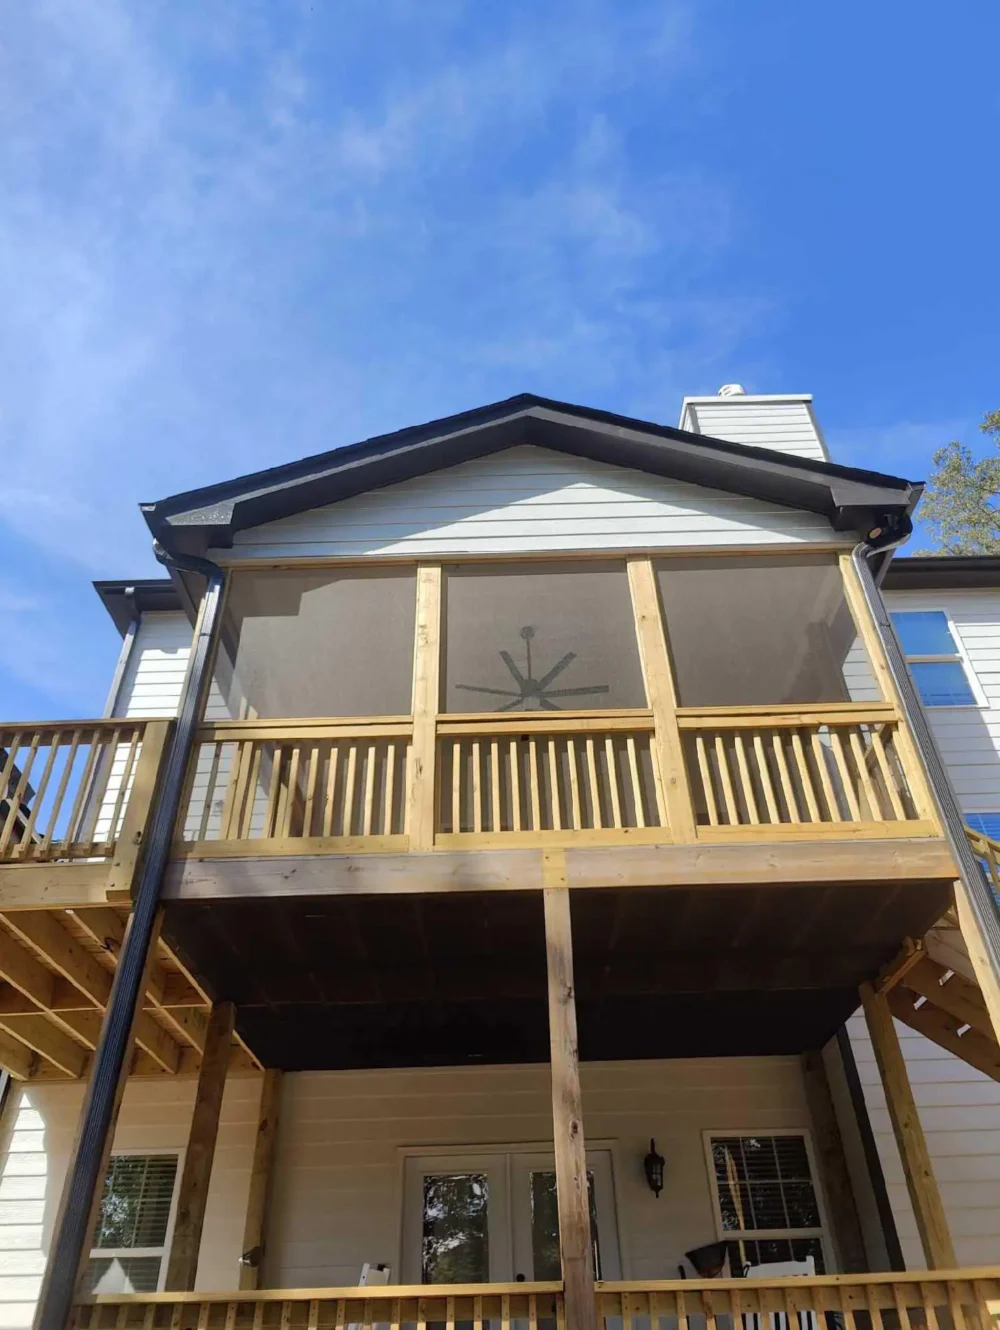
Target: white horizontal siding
783,426
337,1184
153,678
529,500
39,1127
959,1111
968,737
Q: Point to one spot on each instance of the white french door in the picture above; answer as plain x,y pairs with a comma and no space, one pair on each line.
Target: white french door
491,1217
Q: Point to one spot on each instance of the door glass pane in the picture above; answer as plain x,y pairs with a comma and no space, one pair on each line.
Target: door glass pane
545,1226
540,637
455,1245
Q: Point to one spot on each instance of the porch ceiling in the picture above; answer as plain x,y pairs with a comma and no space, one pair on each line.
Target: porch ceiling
366,981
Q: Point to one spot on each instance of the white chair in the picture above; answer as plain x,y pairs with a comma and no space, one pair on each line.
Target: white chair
781,1270
372,1276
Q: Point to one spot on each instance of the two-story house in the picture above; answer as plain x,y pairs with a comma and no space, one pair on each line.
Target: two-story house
514,874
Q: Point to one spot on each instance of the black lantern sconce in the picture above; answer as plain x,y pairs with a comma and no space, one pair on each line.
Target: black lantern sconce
653,1164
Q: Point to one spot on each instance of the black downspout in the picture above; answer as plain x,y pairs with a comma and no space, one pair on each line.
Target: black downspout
72,1236
985,906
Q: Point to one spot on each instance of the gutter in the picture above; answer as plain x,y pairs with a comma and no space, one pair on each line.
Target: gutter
71,1239
985,906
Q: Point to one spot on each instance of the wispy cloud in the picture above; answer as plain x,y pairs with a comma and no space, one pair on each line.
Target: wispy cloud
237,233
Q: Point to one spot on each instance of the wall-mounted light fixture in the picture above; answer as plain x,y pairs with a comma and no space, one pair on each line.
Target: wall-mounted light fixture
653,1164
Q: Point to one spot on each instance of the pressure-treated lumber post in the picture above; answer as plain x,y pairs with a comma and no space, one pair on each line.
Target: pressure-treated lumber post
138,810
662,696
567,1118
979,954
426,699
255,1229
833,1164
925,1198
184,1249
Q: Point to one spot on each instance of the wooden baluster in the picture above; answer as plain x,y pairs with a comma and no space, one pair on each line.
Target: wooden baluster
204,1309
746,781
312,1319
390,791
902,1310
505,1311
477,1313
258,1315
532,1311
206,812
682,1318
829,793
121,1317
785,776
124,788
627,1305
888,775
239,770
930,1310
722,758
515,784
149,1318
534,786
477,796
844,770
369,807
456,785
421,1314
60,795
766,783
29,829
271,813
98,792
574,785
612,763
709,1310
330,802
250,802
232,1310
708,788
177,1316
78,811
867,784
289,791
312,780
496,819
633,766
396,1314
805,776
954,1306
596,813
449,1313
350,782
7,774
554,783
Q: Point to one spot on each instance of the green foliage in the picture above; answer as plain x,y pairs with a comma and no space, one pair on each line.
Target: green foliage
960,505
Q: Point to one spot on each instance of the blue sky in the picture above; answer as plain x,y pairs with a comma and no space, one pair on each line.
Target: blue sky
233,232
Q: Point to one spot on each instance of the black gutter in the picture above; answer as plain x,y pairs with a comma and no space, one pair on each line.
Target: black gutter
71,1240
984,904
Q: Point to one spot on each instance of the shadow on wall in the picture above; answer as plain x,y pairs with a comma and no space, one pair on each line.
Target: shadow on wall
27,1209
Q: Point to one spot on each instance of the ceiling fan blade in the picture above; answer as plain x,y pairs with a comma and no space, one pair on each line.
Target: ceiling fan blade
545,705
494,692
511,706
508,660
557,669
578,692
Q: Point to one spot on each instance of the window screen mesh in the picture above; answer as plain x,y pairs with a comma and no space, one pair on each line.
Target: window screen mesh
317,643
135,1205
540,637
759,631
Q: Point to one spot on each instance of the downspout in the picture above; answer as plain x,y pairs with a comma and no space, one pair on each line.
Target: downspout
125,655
985,906
72,1236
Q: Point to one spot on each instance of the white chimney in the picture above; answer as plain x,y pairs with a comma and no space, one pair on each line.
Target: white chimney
781,422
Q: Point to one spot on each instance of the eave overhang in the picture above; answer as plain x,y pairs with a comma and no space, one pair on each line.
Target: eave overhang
944,572
851,499
125,601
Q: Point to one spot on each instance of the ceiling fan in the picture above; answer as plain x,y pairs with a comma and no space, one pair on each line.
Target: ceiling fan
531,690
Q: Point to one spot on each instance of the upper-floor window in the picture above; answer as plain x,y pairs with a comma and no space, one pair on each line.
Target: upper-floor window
934,658
130,1239
539,637
762,631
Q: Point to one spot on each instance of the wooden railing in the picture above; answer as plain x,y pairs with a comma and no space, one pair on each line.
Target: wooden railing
590,776
916,1300
65,788
987,850
281,787
795,770
446,1305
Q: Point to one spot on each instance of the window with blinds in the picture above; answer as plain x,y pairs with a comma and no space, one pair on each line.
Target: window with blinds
767,1204
131,1234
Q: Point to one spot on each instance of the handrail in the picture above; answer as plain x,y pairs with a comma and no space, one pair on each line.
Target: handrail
986,849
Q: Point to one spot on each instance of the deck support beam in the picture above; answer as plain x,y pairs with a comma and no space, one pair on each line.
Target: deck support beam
980,955
182,1266
928,1208
567,1117
255,1228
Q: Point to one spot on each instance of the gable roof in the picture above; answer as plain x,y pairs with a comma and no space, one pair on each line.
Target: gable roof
850,498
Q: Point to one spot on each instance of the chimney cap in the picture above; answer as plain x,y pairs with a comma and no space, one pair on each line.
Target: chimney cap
732,390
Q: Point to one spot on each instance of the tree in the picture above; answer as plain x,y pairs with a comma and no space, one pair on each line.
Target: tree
960,506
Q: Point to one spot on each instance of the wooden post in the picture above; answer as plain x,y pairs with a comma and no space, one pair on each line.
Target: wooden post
184,1249
426,700
572,1195
833,1165
979,955
255,1228
138,810
662,696
925,1198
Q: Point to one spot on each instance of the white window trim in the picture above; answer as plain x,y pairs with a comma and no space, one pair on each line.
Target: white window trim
960,654
110,1253
823,1233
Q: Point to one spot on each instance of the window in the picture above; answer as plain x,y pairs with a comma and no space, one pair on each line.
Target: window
987,824
130,1239
767,1207
934,658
